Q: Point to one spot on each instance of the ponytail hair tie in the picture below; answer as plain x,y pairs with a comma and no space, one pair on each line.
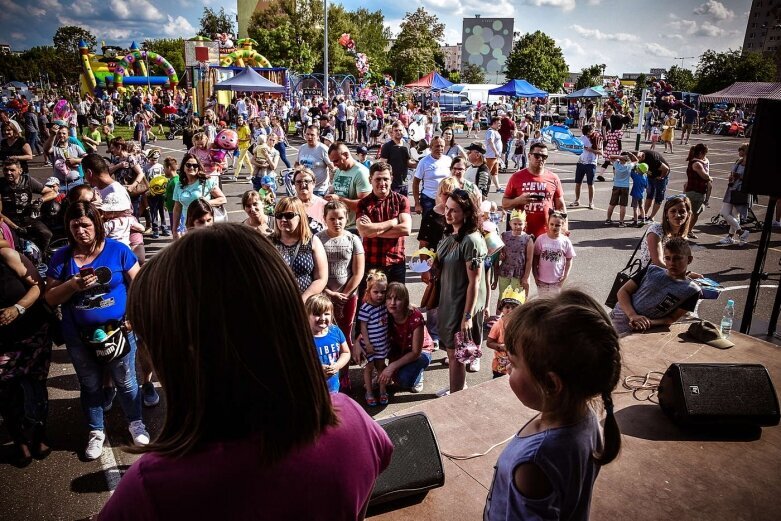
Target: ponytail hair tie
608,401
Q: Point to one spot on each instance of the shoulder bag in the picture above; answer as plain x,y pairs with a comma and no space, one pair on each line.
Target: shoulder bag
632,268
220,213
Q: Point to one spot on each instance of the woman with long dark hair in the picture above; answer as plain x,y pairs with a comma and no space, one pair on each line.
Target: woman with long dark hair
193,184
460,256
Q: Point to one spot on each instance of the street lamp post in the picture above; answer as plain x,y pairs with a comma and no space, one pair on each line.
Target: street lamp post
325,51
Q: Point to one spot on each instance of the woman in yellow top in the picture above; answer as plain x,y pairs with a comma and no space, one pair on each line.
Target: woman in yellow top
668,134
245,138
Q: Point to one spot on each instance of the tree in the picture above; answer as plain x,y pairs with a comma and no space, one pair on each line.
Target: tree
717,70
473,74
213,22
66,42
31,65
417,45
589,77
454,76
289,33
172,49
640,83
536,58
680,78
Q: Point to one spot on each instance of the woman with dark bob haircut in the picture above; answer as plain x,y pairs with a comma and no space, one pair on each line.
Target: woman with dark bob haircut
251,431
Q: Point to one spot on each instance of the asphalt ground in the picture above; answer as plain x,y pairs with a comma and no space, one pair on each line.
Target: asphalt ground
65,487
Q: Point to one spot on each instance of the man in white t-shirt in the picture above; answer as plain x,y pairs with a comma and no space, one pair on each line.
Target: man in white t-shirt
493,150
314,155
97,176
587,165
431,170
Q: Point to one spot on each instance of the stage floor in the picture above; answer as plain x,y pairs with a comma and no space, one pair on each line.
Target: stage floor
662,472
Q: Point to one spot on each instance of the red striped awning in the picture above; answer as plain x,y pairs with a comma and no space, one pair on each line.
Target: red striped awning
744,92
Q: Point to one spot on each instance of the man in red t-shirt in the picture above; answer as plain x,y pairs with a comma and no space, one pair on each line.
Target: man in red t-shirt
506,131
535,190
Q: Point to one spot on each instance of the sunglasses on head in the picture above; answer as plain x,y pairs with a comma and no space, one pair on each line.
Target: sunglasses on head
556,213
285,215
460,193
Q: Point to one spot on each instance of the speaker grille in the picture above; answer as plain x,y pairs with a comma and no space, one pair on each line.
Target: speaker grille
416,465
737,391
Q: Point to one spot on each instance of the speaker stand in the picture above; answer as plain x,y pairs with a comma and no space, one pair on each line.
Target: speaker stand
758,274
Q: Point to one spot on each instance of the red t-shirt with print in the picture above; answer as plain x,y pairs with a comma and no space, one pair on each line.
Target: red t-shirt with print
546,184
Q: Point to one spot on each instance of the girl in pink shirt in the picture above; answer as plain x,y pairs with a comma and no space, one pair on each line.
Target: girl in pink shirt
553,254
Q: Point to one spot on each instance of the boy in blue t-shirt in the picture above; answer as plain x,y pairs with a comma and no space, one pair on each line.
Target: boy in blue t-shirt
330,342
623,165
639,184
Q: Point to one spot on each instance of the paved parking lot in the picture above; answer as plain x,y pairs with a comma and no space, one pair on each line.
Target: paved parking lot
63,487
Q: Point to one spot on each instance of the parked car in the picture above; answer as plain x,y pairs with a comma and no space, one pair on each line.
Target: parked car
560,137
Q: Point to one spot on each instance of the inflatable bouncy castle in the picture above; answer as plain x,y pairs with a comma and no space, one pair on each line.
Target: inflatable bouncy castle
117,68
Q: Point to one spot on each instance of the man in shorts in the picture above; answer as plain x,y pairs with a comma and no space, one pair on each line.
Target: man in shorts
658,177
690,118
587,164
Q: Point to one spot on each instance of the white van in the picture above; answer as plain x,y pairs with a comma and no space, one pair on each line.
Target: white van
476,91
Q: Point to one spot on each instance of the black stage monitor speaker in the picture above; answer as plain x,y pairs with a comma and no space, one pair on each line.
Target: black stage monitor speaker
762,175
716,394
416,465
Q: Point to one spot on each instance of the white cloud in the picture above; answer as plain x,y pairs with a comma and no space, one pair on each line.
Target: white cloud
570,47
596,34
564,5
715,10
18,36
135,10
178,26
658,50
83,8
36,11
51,4
690,27
594,2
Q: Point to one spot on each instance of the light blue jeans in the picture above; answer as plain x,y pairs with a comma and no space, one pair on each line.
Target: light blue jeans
90,373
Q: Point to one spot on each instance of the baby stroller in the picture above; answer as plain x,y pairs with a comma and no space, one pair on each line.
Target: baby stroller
175,126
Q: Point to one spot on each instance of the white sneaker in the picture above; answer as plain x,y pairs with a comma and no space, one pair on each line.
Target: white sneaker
417,388
138,432
727,240
94,445
443,392
474,367
744,237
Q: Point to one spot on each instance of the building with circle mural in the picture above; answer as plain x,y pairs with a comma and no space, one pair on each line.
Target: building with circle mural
487,42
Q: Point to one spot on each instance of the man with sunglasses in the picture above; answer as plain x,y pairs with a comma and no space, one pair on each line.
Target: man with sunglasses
396,153
535,190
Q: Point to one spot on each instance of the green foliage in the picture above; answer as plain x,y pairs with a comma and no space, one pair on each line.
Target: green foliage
537,59
417,46
640,84
589,77
172,49
717,70
66,42
290,33
32,65
680,78
473,74
454,76
214,22
367,31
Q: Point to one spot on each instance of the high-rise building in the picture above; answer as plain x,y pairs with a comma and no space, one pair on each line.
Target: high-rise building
452,55
763,30
487,43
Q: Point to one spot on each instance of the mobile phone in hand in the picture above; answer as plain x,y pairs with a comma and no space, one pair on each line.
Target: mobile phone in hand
86,271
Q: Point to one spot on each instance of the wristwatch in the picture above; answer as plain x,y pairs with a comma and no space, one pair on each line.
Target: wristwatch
467,316
21,309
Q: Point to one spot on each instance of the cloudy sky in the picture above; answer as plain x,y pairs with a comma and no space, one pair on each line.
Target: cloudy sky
627,35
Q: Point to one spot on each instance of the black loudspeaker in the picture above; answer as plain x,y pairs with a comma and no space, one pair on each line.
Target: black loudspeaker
762,176
719,394
416,465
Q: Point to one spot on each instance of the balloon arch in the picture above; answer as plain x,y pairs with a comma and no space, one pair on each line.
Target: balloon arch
312,85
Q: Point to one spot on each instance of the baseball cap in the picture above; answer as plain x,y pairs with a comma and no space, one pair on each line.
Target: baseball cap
642,168
708,333
329,137
361,150
94,121
52,181
266,180
476,146
113,202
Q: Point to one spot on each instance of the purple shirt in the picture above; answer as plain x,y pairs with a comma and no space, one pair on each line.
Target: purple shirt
330,479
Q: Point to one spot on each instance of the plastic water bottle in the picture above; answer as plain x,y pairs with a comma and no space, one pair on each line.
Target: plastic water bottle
727,318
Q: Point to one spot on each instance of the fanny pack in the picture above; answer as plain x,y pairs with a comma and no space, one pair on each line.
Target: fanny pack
108,342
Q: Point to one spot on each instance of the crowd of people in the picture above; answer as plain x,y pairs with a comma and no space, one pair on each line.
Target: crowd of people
333,281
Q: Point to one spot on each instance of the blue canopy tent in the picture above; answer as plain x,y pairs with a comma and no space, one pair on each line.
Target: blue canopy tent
249,81
588,92
518,89
433,80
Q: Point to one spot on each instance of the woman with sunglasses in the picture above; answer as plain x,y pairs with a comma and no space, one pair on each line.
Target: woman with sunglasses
460,256
457,170
193,183
301,250
304,181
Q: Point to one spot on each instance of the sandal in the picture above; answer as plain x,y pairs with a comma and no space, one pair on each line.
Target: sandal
383,398
608,221
371,401
574,204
